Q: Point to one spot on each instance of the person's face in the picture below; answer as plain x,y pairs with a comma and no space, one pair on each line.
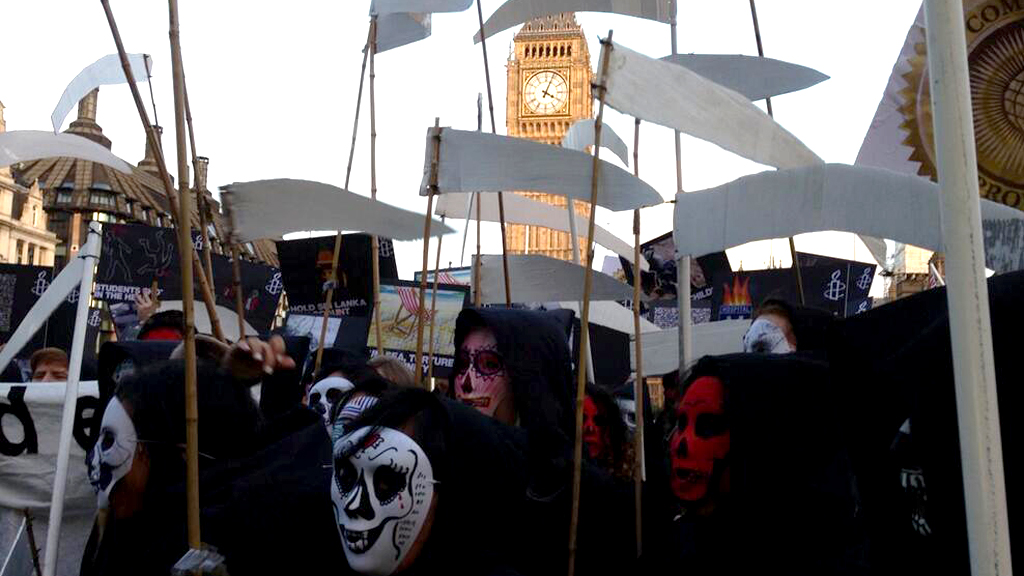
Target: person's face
700,439
53,371
595,430
482,380
766,329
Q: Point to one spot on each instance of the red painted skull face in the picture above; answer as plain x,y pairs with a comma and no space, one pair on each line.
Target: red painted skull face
595,430
700,438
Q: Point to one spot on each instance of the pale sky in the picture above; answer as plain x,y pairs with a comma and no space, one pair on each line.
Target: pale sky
273,90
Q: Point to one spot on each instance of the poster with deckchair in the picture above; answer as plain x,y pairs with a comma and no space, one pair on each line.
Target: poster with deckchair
399,308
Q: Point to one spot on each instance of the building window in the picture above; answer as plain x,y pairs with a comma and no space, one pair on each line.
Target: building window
31,254
102,199
35,215
19,247
64,197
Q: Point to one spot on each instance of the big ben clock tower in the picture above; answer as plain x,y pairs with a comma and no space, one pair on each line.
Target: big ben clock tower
549,80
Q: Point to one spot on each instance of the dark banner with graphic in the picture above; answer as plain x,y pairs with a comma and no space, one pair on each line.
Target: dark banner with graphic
135,256
833,284
306,267
20,289
659,283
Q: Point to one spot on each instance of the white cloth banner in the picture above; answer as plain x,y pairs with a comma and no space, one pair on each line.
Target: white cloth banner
661,348
382,7
679,98
29,436
105,71
612,315
536,278
398,29
516,12
580,136
272,208
522,210
478,162
24,145
858,199
753,77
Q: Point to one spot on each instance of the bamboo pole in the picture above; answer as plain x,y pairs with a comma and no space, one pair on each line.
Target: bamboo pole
236,272
165,177
426,250
329,297
768,102
184,247
433,308
494,130
374,245
638,382
200,188
981,446
581,372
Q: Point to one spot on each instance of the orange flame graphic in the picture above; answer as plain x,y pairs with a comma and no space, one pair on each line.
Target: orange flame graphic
738,294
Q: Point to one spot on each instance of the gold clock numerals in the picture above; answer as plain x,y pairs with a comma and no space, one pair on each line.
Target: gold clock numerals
546,93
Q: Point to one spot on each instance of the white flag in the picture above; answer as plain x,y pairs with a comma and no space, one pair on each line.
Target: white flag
106,70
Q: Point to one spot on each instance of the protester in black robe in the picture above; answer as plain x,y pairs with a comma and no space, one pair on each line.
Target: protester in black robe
760,479
258,480
479,517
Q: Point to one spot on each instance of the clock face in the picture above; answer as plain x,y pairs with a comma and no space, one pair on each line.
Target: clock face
546,93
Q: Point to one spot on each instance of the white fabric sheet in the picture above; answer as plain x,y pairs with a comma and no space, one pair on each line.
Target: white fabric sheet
679,98
227,317
516,12
755,78
536,278
398,29
478,162
522,210
382,7
272,208
858,199
24,145
105,71
661,348
580,136
612,315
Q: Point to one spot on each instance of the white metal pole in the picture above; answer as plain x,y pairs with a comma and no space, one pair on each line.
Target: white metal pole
682,260
574,239
970,327
90,252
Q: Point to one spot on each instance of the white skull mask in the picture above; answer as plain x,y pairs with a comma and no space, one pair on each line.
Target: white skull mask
382,494
326,393
112,456
765,337
628,409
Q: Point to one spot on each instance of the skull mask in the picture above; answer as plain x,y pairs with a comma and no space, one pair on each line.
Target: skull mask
628,409
325,393
700,439
382,493
595,430
765,337
111,458
481,380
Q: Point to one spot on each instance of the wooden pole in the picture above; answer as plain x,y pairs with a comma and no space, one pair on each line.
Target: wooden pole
638,383
236,273
494,130
420,316
981,446
433,308
200,189
329,297
185,247
374,246
165,177
768,102
581,372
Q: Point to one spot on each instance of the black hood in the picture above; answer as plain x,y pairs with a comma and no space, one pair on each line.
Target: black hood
535,347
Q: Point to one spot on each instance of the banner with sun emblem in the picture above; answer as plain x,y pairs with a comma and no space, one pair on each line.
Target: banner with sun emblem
900,137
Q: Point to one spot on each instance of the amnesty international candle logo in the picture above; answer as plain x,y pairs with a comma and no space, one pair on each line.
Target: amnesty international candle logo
995,46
